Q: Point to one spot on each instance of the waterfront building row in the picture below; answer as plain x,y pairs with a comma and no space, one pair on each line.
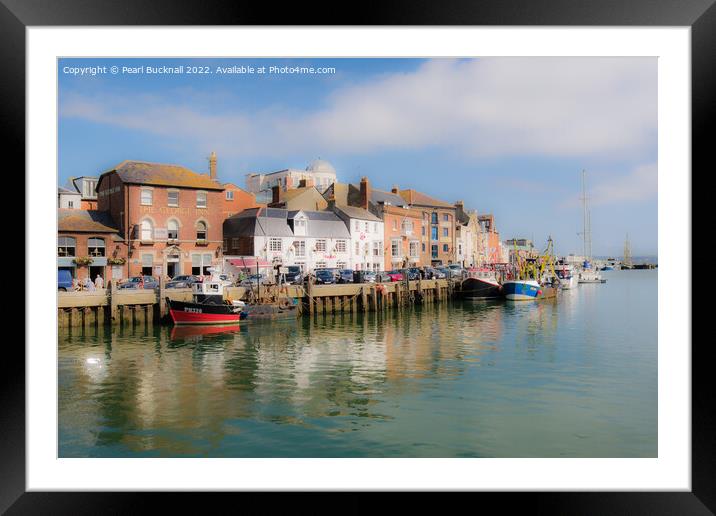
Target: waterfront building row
166,220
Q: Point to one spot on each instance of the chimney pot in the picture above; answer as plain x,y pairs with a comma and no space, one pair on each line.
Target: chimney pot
212,165
394,189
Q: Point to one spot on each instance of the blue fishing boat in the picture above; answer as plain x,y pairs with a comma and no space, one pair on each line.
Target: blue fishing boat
521,290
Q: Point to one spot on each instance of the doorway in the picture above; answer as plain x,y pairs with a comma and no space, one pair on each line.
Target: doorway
94,270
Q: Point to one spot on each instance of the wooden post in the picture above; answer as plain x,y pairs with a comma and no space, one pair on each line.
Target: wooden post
374,299
363,299
162,300
113,315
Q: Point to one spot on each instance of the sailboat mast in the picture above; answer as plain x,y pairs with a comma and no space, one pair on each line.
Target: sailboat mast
584,216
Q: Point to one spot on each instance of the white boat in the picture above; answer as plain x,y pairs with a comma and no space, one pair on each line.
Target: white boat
565,275
588,273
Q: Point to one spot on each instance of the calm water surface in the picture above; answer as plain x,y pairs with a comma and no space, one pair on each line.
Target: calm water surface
571,378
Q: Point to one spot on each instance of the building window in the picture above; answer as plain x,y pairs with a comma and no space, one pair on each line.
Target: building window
341,246
414,253
173,198
435,218
357,225
376,249
146,233
95,246
408,227
446,217
275,245
375,227
172,230
299,247
341,265
357,247
147,260
66,246
200,264
423,230
434,249
446,232
423,246
229,195
201,230
395,224
146,197
70,204
395,247
320,265
445,248
434,233
321,246
201,199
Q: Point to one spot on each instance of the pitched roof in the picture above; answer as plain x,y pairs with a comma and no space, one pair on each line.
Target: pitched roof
62,189
356,213
419,198
160,174
85,221
323,224
378,196
258,222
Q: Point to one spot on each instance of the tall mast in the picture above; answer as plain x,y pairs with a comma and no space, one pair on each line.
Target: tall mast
586,242
627,251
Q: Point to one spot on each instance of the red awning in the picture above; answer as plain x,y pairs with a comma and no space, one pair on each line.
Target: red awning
249,262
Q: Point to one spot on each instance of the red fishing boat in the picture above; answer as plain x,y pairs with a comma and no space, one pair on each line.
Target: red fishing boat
208,306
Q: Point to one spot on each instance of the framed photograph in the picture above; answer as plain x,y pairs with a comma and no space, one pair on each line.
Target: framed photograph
434,252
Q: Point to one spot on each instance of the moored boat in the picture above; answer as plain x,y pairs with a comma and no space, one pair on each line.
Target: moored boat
565,276
208,306
481,284
521,290
589,274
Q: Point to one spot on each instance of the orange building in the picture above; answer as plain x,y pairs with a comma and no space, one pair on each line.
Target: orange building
492,246
438,244
236,200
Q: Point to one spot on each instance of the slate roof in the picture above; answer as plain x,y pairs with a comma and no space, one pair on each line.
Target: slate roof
160,174
378,196
258,222
85,221
322,224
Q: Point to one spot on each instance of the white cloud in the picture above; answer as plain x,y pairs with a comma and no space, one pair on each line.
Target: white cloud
639,185
479,107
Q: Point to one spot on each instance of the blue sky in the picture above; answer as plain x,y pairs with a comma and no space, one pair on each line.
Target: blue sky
508,136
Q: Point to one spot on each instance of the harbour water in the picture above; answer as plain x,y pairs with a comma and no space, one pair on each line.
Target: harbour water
575,377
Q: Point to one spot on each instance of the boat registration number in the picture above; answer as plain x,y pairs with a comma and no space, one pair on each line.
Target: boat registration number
193,310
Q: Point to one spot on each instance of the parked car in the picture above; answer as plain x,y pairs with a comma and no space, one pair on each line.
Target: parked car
382,277
345,276
456,271
147,282
433,273
184,281
64,280
413,273
294,275
364,277
445,271
325,277
395,275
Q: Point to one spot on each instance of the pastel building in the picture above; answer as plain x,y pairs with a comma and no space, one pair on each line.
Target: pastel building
310,239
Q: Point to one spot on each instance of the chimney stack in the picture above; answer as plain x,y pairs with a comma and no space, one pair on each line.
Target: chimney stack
395,189
212,165
365,191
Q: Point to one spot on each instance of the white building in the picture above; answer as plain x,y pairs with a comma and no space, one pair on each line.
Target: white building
68,199
366,232
310,239
318,173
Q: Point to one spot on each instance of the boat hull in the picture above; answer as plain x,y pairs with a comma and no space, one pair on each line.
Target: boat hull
183,312
521,290
477,288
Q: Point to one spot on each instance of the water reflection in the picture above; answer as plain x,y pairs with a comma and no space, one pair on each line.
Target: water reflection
433,381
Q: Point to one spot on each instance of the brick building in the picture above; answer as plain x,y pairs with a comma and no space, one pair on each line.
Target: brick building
236,200
170,218
438,242
89,243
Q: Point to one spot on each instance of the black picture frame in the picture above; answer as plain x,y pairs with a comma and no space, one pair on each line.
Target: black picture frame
700,15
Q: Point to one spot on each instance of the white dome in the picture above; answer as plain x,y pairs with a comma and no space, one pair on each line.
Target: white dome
321,166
